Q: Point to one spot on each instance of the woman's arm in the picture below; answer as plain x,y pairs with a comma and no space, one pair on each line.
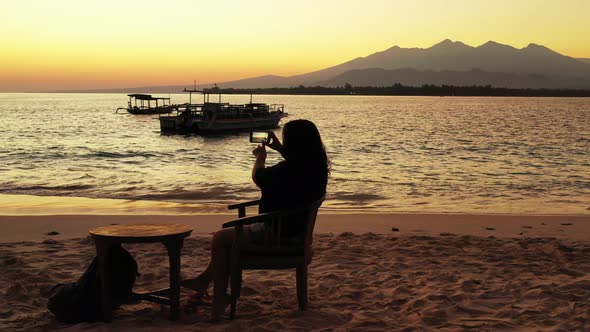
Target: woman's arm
260,153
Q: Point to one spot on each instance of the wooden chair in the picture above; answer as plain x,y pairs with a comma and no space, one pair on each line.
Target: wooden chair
274,252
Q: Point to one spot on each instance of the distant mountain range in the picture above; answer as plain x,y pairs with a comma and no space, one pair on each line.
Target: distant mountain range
448,62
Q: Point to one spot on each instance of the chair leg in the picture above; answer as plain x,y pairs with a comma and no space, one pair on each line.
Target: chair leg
236,287
302,286
239,292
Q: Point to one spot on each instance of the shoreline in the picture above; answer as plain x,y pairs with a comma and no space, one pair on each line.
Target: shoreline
577,227
32,205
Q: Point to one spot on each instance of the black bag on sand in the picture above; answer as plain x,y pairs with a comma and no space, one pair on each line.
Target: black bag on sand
81,301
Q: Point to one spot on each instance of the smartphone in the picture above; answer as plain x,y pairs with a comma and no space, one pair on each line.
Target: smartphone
258,137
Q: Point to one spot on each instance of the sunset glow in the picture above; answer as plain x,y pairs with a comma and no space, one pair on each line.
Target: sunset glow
65,44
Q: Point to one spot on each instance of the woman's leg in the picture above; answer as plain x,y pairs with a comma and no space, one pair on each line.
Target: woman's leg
201,282
219,271
221,242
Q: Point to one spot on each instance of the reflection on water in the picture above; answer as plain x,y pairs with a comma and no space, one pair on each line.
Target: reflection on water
416,154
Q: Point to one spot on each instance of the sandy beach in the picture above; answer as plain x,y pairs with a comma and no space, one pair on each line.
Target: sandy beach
437,271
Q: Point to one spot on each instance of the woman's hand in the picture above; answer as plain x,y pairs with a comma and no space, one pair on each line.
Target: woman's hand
260,152
273,142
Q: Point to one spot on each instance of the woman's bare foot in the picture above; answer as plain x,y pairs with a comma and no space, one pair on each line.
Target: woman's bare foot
198,284
196,300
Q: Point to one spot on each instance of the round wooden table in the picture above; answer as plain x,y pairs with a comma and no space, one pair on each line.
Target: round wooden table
171,235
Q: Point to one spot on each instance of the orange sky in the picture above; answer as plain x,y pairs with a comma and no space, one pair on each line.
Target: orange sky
67,44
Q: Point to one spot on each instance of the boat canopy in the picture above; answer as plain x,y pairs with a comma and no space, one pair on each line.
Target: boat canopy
140,96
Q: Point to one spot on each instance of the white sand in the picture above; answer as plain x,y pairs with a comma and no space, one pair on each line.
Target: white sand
453,272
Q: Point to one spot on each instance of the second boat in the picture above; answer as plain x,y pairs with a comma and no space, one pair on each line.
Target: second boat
216,117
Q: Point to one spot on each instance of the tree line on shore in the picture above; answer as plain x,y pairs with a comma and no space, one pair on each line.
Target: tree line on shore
406,90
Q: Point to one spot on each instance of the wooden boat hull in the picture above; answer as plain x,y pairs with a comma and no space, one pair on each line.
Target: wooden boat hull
153,110
171,124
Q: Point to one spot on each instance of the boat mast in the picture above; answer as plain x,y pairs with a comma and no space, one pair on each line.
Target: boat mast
190,94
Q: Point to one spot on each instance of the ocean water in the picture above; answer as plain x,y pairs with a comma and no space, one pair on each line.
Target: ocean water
389,154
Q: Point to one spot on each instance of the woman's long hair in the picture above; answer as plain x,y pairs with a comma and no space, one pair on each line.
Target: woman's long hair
302,145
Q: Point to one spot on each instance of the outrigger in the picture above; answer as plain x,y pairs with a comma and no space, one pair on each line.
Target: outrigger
216,117
162,104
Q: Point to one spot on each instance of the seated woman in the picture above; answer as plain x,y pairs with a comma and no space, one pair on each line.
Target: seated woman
298,180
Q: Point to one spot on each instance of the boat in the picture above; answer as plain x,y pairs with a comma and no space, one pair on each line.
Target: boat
217,117
162,104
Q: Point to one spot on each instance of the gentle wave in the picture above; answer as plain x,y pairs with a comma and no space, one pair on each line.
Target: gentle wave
47,188
129,154
218,194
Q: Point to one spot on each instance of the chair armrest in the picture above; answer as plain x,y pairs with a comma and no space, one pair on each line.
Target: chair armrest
242,207
263,217
251,220
243,204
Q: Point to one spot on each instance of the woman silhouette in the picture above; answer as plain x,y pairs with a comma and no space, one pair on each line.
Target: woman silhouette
301,178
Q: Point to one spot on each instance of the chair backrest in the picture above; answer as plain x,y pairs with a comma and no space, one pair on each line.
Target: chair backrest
306,214
312,214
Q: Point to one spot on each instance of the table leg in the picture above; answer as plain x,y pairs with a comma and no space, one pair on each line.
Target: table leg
173,248
102,252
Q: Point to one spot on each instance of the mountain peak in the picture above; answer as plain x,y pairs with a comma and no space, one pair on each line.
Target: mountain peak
494,45
533,46
538,49
490,43
448,44
393,48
